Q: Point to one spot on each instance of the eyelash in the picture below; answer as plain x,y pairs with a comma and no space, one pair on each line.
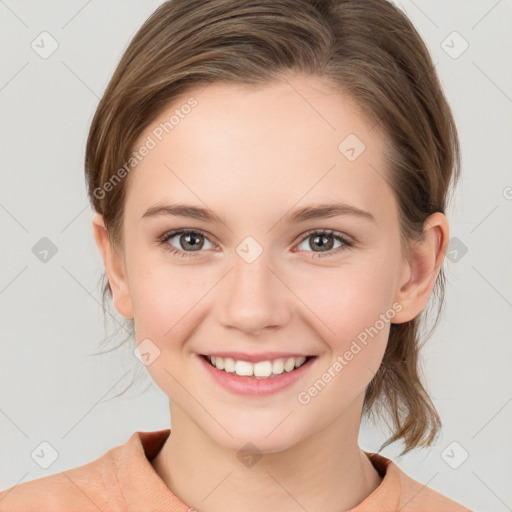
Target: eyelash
347,243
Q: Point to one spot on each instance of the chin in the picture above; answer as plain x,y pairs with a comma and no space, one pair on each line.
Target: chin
257,437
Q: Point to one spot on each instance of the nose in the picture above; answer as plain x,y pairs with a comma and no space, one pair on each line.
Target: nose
254,297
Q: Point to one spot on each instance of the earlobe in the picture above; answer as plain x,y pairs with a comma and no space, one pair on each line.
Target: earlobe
114,268
423,267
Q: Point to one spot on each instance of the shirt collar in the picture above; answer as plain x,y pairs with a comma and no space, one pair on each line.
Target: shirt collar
143,489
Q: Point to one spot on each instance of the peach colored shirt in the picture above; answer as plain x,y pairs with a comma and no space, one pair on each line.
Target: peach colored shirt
124,480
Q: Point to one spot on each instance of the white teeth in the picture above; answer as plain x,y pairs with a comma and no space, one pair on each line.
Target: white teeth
299,361
243,368
260,370
277,366
263,369
289,365
229,365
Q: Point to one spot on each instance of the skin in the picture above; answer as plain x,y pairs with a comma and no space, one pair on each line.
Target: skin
252,155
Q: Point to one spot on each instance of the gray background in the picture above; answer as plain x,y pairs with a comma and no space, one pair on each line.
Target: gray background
53,390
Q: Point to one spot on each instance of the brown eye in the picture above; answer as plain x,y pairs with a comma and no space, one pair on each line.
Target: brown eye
185,242
191,241
322,242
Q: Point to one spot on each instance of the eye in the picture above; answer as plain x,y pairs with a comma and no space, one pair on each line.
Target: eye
189,242
325,240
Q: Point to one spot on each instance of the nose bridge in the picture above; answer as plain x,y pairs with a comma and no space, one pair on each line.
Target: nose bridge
254,297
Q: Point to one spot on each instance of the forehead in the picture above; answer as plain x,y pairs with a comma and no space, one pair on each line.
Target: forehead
294,141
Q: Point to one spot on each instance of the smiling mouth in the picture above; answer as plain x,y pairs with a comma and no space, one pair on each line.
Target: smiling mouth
261,369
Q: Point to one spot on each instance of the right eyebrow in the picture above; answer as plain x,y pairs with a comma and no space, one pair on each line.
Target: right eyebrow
183,210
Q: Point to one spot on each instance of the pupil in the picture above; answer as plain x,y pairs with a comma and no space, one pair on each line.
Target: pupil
192,245
327,245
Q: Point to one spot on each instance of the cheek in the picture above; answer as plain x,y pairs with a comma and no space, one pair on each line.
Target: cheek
353,312
166,304
164,294
355,316
344,301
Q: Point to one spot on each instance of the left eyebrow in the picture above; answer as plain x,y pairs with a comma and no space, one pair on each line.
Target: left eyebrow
326,210
318,211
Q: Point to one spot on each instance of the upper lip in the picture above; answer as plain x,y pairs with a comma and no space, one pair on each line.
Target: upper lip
254,358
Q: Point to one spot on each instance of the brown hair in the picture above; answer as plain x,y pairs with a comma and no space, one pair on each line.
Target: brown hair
367,49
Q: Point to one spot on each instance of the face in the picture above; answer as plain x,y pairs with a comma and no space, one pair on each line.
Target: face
258,285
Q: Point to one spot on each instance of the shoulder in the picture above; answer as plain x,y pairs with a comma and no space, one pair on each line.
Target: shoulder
78,489
417,497
398,491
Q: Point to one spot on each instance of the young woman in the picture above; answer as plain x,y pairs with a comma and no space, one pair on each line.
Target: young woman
269,182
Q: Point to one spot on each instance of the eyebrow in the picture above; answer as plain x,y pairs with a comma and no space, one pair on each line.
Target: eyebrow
318,211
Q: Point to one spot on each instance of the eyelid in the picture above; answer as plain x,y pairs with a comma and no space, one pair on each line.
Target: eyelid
327,231
347,240
180,231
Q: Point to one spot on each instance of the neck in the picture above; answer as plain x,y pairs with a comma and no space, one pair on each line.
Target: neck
327,471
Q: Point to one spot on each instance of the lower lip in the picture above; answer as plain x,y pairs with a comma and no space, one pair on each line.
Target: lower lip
253,386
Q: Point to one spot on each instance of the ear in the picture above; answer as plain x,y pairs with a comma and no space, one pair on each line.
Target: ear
420,272
114,267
